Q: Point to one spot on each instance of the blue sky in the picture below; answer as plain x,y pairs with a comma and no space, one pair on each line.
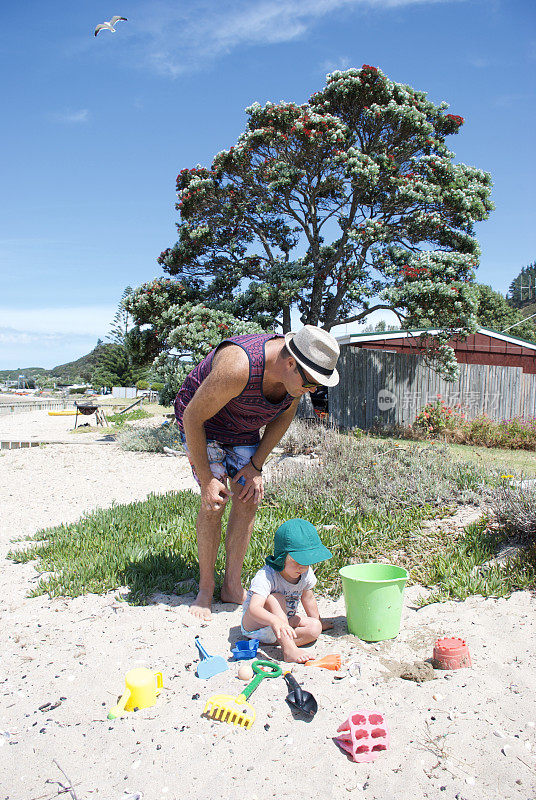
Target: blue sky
96,129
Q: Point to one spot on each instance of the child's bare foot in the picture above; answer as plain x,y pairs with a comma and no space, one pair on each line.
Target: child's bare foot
327,624
202,605
293,655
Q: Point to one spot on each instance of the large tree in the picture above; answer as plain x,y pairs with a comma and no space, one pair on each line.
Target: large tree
338,207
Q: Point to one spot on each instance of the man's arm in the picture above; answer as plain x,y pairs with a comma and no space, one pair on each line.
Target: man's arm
227,379
273,433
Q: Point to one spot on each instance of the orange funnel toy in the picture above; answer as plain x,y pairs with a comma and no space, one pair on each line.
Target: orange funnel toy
328,662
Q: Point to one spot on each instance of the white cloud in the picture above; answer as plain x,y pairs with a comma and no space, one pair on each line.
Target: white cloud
343,62
20,349
479,63
78,320
382,315
173,38
46,337
72,117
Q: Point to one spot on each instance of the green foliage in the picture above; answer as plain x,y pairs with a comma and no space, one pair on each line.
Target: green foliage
113,367
465,566
328,207
374,512
128,416
185,332
121,321
522,290
437,419
304,437
148,546
390,478
81,370
494,311
151,546
514,507
150,439
30,372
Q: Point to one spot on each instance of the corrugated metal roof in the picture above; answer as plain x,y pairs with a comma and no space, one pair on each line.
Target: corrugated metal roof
403,333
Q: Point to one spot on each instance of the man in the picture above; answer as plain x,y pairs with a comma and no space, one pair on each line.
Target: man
248,382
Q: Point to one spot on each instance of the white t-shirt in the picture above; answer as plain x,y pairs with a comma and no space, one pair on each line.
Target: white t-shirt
268,580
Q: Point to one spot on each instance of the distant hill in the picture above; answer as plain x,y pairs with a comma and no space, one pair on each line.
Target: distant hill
528,309
79,371
28,372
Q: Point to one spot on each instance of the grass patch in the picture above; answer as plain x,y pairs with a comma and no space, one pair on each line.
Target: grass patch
151,546
464,566
372,476
118,420
502,460
150,439
367,497
148,546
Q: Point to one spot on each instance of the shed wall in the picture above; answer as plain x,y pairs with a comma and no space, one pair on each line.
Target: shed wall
385,389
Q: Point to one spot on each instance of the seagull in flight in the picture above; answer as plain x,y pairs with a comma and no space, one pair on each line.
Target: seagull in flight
109,26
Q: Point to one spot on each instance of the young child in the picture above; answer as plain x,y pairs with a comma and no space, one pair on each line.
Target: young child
270,608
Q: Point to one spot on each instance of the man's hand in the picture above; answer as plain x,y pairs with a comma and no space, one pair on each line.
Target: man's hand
282,629
214,495
253,488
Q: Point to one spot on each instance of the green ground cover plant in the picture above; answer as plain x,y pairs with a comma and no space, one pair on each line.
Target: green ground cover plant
502,460
150,438
449,423
514,508
118,420
466,565
368,499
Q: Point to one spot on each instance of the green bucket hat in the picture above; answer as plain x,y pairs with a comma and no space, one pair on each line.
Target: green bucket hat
301,541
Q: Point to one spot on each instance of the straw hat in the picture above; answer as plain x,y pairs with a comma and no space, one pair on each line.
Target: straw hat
317,351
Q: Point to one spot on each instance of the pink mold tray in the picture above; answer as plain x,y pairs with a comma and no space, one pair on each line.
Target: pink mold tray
363,735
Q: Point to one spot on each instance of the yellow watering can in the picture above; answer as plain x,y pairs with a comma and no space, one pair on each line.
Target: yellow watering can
142,688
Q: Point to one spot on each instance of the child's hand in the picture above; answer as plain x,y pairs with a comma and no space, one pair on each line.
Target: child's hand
283,629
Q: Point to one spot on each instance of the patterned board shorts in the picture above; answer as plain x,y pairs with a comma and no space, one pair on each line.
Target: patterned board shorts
224,459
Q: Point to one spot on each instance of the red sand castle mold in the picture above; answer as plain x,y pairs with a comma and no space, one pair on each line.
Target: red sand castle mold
363,735
451,653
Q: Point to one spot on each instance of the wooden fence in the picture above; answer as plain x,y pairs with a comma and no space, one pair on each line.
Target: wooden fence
19,407
385,389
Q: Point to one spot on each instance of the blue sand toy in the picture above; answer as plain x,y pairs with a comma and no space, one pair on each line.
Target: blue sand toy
246,648
209,665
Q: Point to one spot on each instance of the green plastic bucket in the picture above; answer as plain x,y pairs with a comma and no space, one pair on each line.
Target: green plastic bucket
373,596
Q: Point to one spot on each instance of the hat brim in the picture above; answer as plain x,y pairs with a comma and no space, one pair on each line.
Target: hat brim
322,380
313,555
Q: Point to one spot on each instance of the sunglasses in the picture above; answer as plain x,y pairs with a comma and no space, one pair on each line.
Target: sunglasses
306,383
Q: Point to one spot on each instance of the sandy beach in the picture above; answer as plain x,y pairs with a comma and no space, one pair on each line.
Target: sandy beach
465,735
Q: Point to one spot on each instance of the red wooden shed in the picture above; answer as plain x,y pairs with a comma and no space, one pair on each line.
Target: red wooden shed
486,346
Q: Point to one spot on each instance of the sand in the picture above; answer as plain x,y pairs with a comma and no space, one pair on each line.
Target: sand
465,735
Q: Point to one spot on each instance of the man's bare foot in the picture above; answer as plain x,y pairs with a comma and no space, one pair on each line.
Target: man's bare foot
201,607
293,655
233,595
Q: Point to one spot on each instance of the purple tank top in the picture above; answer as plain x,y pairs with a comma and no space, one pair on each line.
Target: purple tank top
240,420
